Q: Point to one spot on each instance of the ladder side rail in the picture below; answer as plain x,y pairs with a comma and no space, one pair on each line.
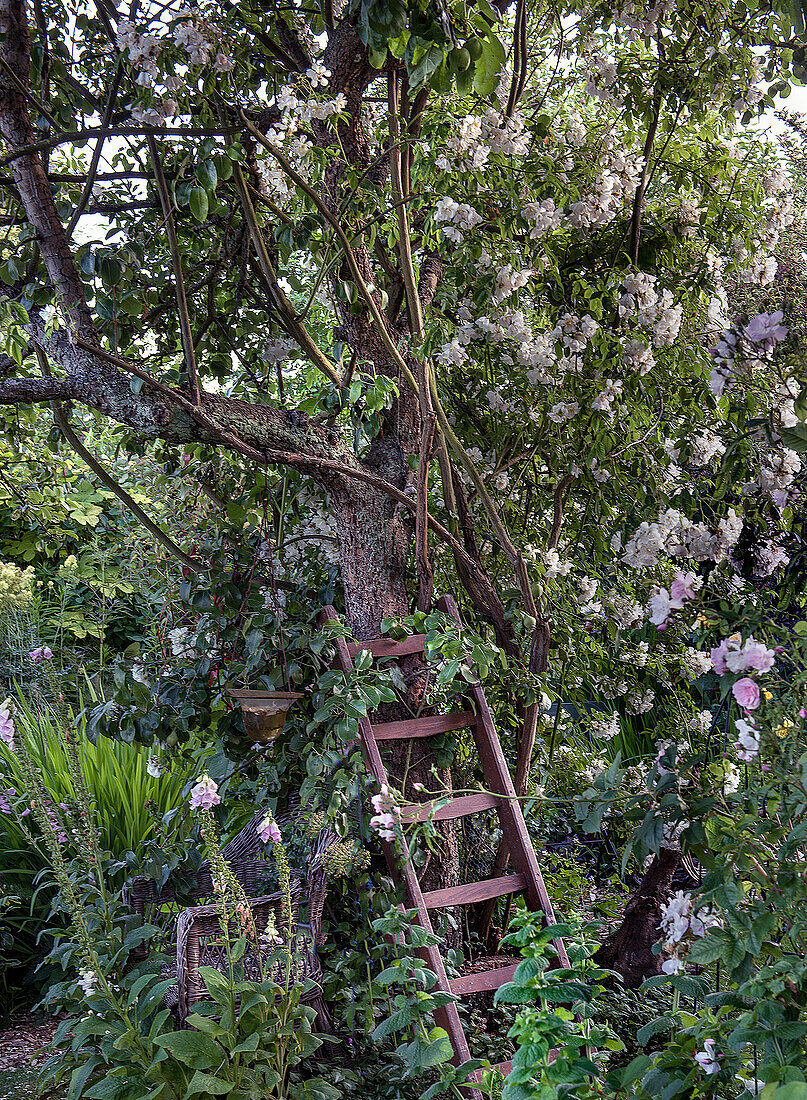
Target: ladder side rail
446,1016
497,773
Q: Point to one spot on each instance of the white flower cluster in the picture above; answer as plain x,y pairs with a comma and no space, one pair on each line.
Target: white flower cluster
653,311
193,33
181,639
675,535
681,919
627,615
695,663
769,557
589,606
756,258
605,729
640,19
564,411
478,136
603,401
638,356
609,192
544,217
554,565
456,218
704,446
640,702
509,280
777,474
279,349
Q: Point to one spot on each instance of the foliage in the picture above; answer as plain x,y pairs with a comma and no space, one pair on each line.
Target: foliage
560,1047
136,815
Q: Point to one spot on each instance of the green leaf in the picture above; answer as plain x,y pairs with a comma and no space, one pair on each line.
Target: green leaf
793,1090
199,203
191,1047
208,1085
207,175
655,1027
795,438
488,68
707,950
120,1088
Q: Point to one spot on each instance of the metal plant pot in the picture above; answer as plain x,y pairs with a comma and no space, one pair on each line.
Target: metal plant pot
264,712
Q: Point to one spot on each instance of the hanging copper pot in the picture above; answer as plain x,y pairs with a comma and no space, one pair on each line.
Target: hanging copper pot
264,712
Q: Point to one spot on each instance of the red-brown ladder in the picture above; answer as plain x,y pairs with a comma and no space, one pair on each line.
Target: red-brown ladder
526,879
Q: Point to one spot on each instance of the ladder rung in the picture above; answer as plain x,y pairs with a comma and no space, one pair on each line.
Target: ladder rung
388,647
504,1068
457,807
424,727
484,979
472,892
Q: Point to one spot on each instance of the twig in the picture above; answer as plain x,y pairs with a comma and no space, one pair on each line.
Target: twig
284,308
350,257
425,572
176,263
89,183
103,475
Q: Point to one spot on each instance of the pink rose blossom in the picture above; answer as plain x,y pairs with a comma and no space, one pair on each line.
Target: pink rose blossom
746,692
205,794
269,830
758,656
802,713
684,588
43,653
660,607
718,655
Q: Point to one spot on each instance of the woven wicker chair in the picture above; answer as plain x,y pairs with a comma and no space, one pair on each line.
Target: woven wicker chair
194,933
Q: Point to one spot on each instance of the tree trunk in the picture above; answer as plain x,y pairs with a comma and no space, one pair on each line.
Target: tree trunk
374,541
629,950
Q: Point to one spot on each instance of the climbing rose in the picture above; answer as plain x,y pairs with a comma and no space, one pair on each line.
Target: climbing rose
384,825
205,794
660,607
747,743
765,330
42,653
758,656
746,692
684,587
268,830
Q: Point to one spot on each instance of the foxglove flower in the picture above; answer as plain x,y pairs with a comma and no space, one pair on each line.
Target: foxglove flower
205,794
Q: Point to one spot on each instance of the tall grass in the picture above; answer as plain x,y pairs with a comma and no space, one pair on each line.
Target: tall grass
127,798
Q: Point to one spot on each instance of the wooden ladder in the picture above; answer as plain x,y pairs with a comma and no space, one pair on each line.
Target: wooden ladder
526,879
